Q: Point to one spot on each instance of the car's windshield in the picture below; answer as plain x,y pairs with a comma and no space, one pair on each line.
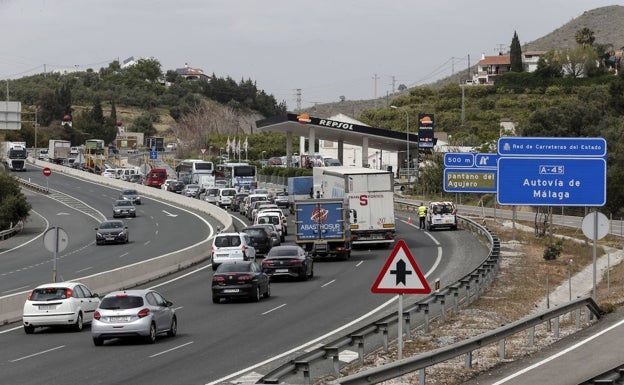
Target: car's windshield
129,192
123,203
111,225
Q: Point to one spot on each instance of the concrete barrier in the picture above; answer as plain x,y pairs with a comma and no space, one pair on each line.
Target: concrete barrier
140,272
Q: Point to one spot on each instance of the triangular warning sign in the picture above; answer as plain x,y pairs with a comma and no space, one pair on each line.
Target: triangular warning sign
400,274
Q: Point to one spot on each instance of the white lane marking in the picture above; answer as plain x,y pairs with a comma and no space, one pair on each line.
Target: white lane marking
85,269
180,277
16,289
37,354
47,226
170,350
272,310
359,263
123,255
329,283
561,353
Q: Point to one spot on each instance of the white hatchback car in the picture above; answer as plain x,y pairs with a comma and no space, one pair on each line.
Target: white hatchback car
59,304
228,247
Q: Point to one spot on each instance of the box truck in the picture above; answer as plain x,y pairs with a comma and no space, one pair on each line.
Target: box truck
370,194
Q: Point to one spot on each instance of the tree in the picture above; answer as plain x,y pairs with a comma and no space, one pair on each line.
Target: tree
585,37
515,54
13,204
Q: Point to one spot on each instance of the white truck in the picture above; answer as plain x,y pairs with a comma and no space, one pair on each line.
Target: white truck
58,150
370,194
14,155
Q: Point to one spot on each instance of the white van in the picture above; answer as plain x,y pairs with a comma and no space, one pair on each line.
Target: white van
126,173
440,215
224,199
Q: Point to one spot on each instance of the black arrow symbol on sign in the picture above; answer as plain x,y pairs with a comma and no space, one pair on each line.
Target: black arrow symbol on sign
400,272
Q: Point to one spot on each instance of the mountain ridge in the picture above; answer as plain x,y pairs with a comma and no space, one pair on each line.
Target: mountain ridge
605,22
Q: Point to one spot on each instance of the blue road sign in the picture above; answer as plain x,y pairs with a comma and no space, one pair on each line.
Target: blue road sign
153,154
470,180
486,160
552,181
459,159
531,146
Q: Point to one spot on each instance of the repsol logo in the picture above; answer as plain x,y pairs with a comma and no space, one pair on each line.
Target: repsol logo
335,124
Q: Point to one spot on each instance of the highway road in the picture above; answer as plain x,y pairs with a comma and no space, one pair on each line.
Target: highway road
78,213
221,342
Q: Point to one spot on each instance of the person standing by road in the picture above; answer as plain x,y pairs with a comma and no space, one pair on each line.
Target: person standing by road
422,213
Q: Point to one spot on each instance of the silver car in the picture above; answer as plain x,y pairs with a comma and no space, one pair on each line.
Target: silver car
133,313
123,208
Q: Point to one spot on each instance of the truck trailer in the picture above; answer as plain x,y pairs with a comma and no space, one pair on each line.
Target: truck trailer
370,194
14,155
58,150
321,227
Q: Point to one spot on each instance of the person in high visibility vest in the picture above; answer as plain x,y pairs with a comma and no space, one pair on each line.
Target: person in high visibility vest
422,213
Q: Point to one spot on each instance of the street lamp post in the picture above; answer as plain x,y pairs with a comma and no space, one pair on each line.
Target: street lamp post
407,143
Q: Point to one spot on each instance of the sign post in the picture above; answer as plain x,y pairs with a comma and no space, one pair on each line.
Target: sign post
401,275
55,239
47,172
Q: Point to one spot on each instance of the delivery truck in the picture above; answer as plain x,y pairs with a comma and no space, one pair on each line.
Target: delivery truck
299,188
370,194
322,228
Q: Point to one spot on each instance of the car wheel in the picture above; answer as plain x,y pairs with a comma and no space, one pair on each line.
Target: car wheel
216,299
97,243
214,266
268,292
151,337
256,296
78,325
312,271
98,341
29,329
173,329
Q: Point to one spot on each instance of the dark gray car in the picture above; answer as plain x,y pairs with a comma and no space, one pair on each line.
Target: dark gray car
123,208
112,231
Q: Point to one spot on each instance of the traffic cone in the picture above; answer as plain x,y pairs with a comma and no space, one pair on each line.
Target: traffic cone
409,220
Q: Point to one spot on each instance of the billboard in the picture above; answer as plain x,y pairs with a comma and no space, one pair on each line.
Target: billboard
425,131
10,115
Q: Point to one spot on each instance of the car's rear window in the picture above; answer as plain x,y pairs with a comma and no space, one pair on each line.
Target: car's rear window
49,294
121,302
280,252
254,232
234,267
227,241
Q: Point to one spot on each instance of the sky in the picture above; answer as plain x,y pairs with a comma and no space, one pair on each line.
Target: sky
327,49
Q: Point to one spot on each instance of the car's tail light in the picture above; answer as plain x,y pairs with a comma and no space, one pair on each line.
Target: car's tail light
296,261
68,293
97,315
245,277
218,279
143,313
268,263
31,294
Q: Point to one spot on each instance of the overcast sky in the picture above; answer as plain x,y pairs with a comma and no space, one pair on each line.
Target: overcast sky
358,49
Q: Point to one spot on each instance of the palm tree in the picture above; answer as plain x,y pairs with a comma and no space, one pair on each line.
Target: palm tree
585,37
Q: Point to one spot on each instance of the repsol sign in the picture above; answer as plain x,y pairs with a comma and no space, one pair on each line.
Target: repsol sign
335,124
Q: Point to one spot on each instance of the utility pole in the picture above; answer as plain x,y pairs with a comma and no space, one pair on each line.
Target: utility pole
375,78
393,83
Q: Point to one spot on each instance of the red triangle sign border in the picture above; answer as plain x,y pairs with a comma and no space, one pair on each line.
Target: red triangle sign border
385,271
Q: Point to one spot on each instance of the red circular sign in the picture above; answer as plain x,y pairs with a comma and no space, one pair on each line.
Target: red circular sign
47,171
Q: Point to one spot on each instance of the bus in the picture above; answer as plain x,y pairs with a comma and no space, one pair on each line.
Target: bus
201,172
237,175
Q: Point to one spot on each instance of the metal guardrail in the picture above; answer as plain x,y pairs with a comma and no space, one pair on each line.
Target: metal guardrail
379,333
422,361
33,186
5,234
